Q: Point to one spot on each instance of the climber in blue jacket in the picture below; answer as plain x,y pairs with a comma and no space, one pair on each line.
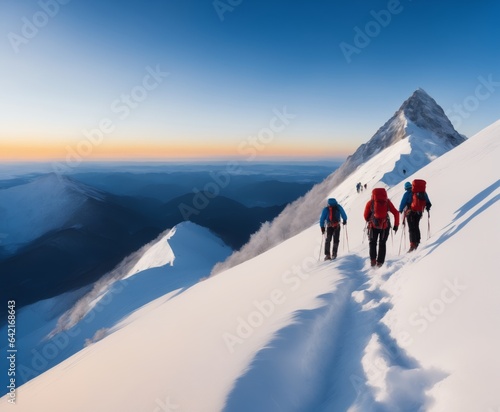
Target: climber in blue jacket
330,219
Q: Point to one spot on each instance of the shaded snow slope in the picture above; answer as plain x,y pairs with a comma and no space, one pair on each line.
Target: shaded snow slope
33,209
175,261
177,338
425,136
283,331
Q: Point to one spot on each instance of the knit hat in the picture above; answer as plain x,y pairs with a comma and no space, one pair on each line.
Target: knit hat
407,186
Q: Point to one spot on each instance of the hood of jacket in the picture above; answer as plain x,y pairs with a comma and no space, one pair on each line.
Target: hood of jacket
332,202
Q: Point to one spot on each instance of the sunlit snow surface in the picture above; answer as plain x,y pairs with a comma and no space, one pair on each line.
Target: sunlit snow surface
286,332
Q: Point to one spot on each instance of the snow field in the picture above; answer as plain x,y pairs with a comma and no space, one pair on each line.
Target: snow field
283,331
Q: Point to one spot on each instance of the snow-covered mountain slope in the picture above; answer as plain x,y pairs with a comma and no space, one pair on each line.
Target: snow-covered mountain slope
419,131
165,267
446,301
33,209
193,248
58,235
158,254
283,331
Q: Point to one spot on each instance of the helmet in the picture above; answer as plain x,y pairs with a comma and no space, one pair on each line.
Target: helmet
407,186
332,202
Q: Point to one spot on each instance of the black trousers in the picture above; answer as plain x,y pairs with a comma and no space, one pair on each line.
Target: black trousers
413,219
332,232
380,236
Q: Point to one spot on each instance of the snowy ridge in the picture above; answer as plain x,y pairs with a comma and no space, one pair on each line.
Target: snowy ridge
283,331
102,287
407,147
157,255
139,281
35,208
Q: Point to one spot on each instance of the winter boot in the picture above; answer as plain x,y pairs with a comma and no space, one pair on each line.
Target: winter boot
373,262
327,257
379,264
413,246
335,248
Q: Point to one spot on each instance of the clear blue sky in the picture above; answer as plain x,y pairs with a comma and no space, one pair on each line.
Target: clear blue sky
231,65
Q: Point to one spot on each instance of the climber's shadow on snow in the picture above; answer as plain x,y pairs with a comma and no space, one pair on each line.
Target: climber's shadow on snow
455,227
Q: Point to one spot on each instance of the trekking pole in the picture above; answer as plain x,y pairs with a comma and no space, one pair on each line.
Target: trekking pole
343,243
347,238
402,235
428,224
321,245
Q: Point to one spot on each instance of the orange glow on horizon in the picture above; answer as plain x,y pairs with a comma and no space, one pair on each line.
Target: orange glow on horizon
107,151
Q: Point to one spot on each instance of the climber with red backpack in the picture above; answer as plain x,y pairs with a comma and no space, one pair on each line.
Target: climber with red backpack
377,217
330,219
413,203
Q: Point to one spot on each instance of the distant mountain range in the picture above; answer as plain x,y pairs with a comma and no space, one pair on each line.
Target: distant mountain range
64,236
60,234
260,188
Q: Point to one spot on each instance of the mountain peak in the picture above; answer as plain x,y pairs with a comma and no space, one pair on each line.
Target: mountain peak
421,109
420,93
55,181
420,98
428,134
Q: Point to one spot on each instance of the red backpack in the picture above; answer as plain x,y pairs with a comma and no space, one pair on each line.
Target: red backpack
332,214
379,208
418,201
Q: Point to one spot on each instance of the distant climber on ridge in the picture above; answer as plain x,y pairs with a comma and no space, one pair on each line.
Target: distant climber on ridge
330,218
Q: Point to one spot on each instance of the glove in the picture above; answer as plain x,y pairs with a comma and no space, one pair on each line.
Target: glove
344,222
395,228
427,208
322,230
